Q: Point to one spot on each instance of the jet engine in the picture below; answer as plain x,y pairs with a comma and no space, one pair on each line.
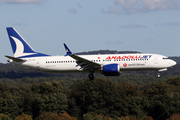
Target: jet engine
111,70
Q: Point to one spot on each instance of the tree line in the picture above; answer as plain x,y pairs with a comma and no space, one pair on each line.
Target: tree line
103,98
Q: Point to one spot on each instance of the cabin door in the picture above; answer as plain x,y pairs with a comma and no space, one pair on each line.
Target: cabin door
156,61
38,63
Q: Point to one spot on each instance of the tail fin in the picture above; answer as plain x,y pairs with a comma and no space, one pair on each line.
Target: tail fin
19,46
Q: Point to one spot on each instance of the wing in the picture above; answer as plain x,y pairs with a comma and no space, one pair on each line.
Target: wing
86,65
15,59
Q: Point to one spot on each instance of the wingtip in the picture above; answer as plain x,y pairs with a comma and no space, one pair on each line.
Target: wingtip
9,28
65,45
68,52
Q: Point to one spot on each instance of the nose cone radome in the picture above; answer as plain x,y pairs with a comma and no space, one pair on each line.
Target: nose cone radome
173,63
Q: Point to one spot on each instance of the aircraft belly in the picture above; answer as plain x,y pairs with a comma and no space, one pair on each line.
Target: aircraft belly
29,64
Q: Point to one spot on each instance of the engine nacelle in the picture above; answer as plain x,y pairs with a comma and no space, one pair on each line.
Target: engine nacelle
111,70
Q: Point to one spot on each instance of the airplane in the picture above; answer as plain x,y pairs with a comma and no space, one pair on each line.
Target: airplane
107,64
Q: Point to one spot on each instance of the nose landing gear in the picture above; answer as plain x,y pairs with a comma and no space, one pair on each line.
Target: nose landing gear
158,74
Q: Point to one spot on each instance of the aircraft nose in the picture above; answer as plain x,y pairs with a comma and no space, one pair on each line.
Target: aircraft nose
173,62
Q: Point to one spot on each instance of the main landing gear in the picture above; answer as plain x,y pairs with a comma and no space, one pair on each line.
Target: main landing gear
91,76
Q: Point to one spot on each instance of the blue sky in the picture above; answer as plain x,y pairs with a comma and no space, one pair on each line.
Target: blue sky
148,26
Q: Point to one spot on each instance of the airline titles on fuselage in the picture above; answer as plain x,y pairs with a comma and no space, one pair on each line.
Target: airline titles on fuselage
129,57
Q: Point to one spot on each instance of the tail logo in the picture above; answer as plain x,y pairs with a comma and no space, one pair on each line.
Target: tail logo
67,50
19,48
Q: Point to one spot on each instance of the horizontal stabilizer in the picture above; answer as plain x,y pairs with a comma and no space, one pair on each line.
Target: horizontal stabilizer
15,59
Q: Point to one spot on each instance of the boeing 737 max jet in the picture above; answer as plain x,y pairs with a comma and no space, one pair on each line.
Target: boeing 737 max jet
109,64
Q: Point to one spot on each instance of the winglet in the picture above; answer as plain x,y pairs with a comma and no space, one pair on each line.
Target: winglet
68,52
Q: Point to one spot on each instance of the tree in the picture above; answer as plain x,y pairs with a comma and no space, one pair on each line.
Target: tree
48,97
92,96
129,118
48,116
9,105
4,117
105,97
175,117
23,117
66,116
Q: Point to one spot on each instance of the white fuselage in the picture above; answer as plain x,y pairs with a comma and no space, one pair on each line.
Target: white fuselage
126,62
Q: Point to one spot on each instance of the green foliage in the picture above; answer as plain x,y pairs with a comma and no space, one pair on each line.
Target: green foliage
4,117
105,97
92,99
87,116
48,97
173,81
55,102
154,89
92,96
159,100
46,88
32,100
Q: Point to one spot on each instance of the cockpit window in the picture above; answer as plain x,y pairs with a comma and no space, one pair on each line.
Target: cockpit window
165,58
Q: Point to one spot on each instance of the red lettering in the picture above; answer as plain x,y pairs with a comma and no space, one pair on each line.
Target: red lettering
137,57
132,57
113,57
119,57
108,58
124,57
129,57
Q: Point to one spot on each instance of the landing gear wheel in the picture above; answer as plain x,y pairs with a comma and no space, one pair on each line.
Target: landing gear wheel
91,76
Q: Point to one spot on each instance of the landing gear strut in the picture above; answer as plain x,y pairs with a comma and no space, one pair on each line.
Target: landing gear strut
91,76
159,74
